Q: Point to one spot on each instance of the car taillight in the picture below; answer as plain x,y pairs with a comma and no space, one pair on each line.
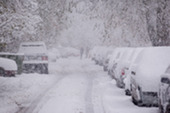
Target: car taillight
44,58
123,72
10,72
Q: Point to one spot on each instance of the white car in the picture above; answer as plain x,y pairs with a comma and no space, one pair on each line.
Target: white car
128,71
35,57
113,63
123,65
145,75
164,92
8,67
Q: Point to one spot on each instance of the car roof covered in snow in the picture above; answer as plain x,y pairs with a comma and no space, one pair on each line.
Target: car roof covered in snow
151,64
8,64
32,47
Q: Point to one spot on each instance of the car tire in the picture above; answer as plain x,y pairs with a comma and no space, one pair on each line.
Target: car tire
137,102
127,92
44,69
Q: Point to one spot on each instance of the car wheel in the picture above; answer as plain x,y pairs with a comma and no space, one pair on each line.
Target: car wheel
137,102
13,75
44,69
134,101
127,92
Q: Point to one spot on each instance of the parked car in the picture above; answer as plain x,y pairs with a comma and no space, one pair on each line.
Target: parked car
53,55
18,58
128,71
123,65
164,92
145,75
35,57
8,67
113,63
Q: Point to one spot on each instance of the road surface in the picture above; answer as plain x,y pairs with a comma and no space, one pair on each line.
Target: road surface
82,87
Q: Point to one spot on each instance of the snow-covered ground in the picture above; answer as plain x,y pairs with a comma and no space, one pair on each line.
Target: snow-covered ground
73,86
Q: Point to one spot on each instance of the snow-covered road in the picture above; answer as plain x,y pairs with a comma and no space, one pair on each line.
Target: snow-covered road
73,86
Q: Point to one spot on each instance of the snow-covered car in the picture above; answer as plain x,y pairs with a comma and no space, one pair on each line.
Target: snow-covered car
117,54
164,92
8,67
99,54
18,58
53,55
35,57
122,67
145,75
128,71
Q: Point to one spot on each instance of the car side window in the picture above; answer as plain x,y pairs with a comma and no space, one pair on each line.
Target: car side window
165,80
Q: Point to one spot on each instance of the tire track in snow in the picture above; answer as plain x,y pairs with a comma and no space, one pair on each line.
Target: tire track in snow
38,100
88,96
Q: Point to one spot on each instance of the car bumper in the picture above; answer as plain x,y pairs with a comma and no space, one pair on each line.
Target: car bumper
41,68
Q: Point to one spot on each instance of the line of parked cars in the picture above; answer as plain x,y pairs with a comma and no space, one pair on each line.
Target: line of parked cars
144,73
